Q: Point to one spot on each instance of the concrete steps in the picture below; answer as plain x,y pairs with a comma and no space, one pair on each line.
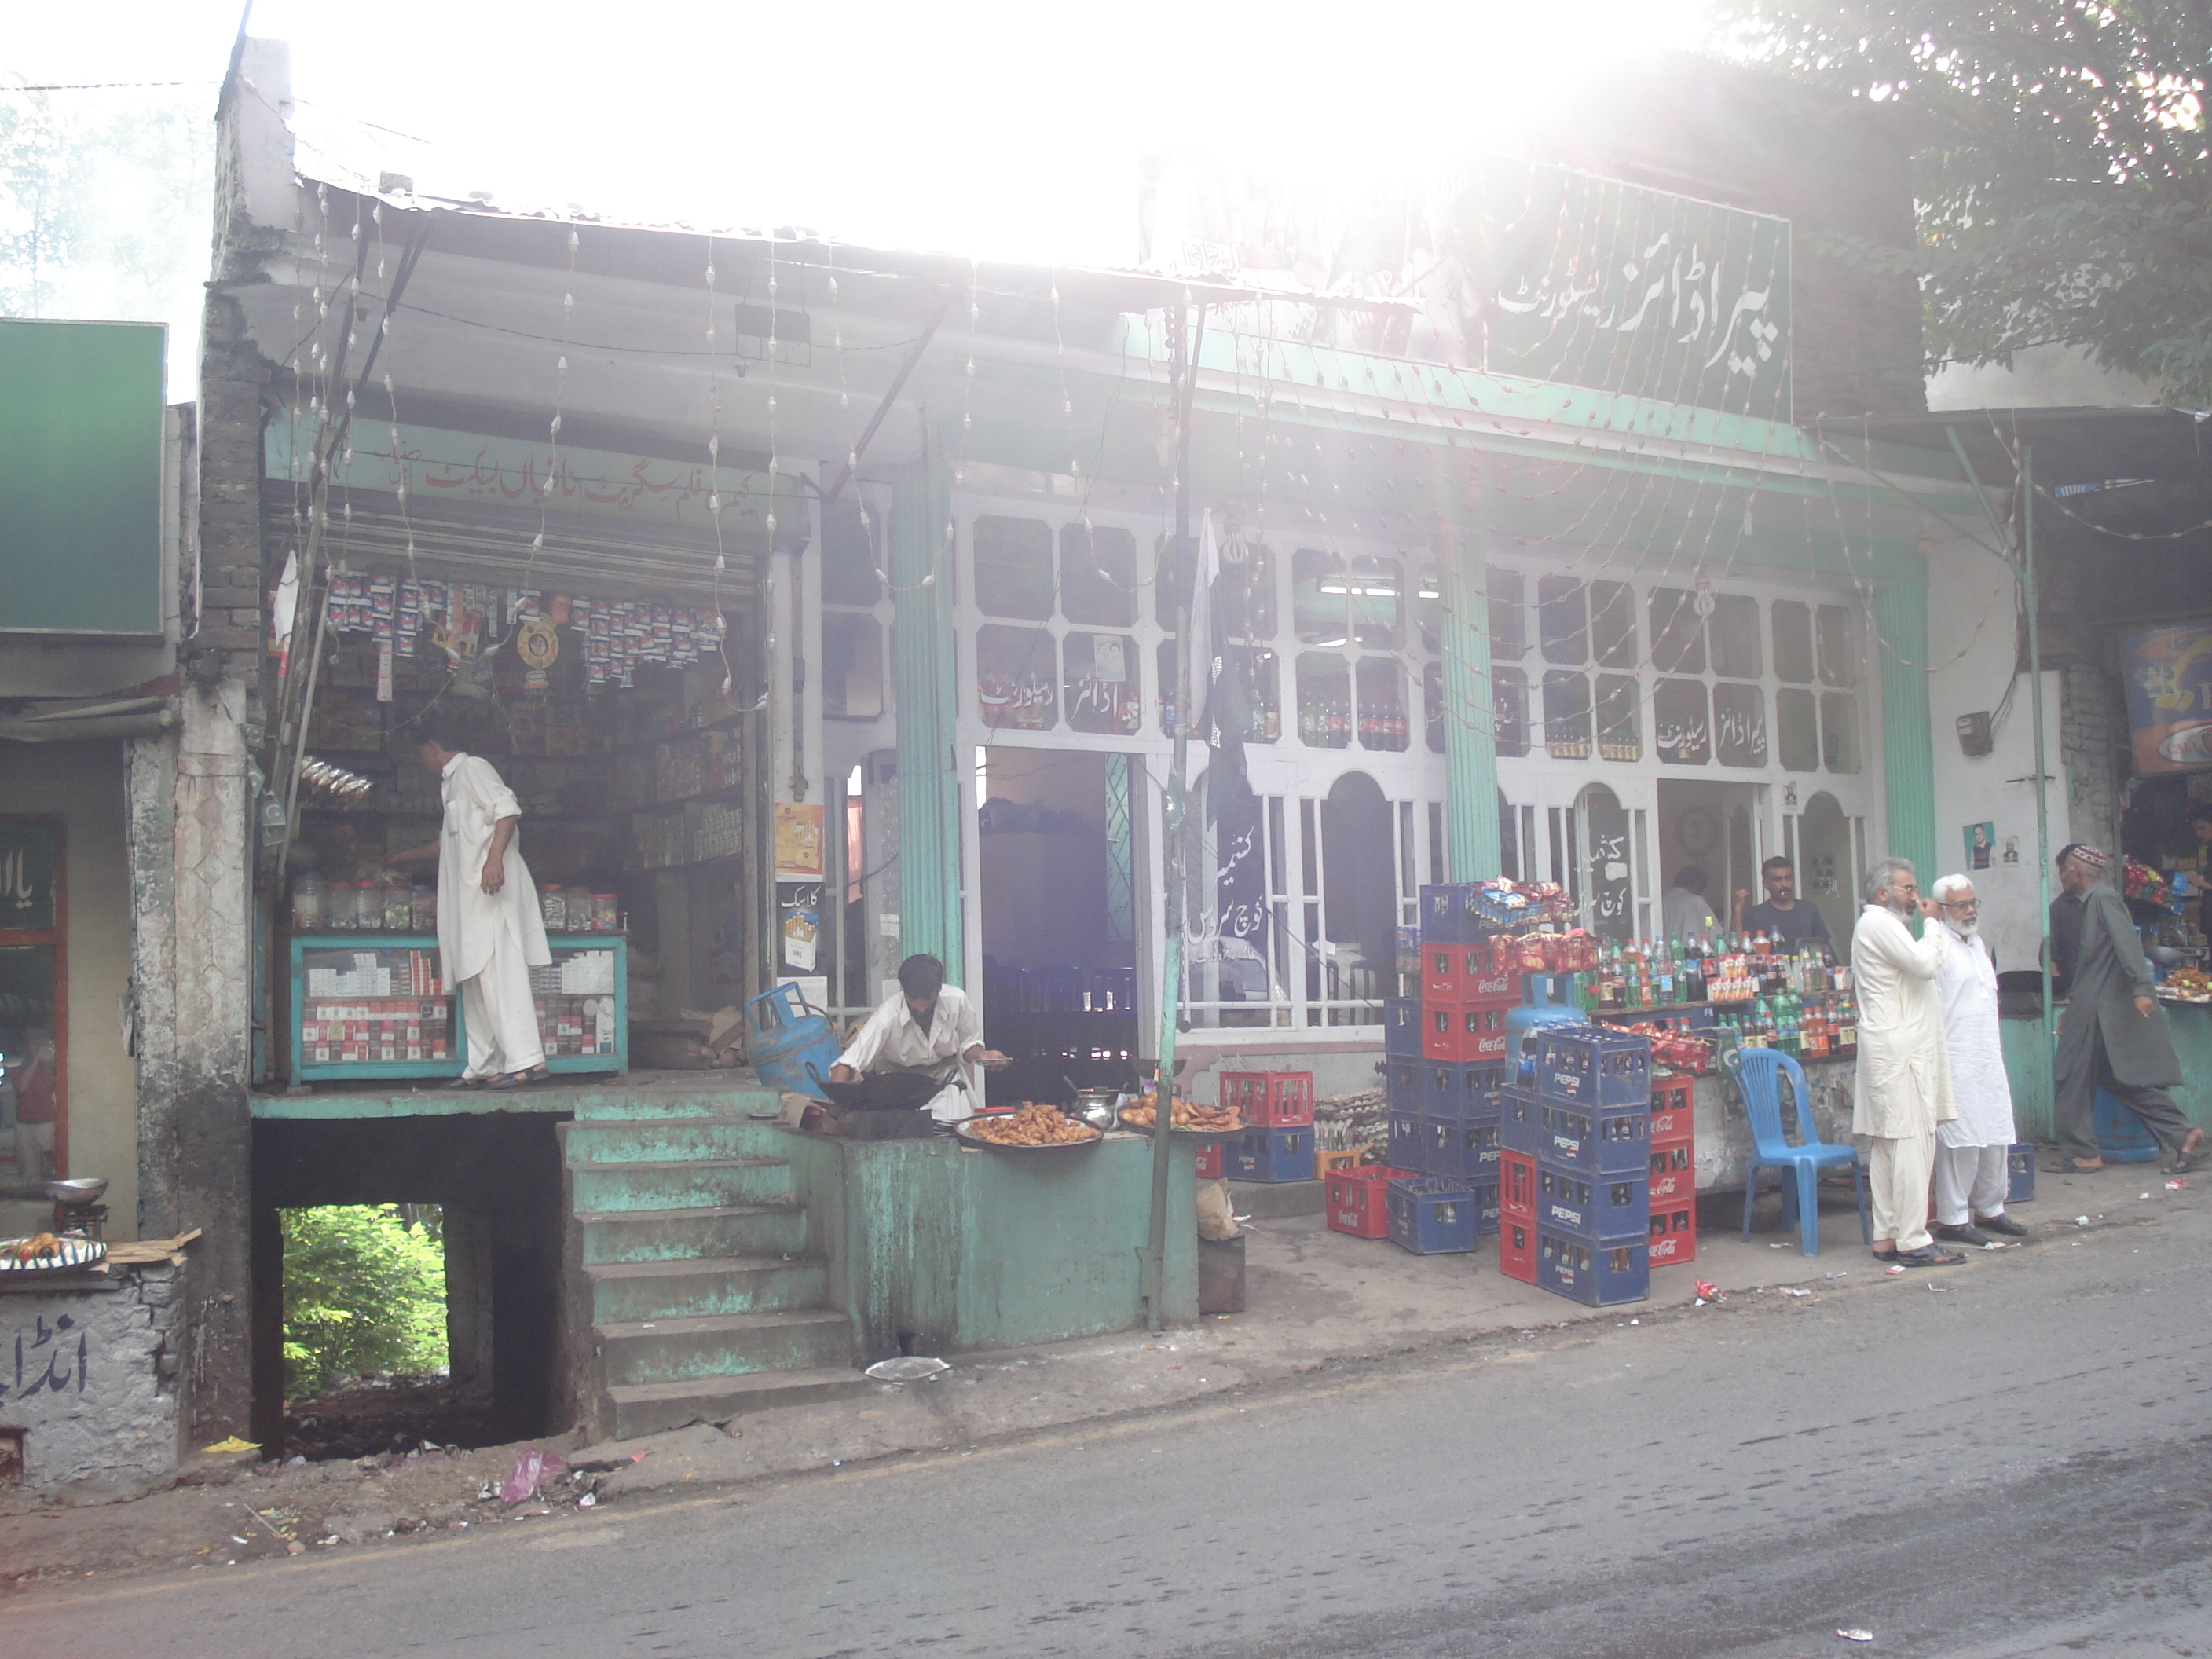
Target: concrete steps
627,1292
704,1300
649,1407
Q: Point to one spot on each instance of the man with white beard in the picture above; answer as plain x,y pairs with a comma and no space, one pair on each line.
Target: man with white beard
1904,1079
1972,1149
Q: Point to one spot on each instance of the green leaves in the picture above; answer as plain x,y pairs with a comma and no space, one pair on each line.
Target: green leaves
363,1294
2067,194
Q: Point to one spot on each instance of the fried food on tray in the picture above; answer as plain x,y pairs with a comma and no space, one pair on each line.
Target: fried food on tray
38,1248
1034,1125
1188,1115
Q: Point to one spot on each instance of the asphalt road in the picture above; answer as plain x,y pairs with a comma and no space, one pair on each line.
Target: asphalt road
2005,1459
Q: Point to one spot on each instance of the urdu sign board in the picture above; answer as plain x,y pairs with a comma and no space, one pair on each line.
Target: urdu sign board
1510,266
80,478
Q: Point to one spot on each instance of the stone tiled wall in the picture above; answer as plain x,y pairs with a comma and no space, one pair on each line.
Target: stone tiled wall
89,1373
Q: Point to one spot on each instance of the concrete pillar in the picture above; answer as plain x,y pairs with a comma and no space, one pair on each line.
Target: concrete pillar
1471,845
1908,755
926,674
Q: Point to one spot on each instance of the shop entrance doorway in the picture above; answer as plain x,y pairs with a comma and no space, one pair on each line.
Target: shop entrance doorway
1058,918
1712,828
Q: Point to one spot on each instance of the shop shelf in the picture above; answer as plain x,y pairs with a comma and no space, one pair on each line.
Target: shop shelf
1674,1234
1516,1248
1592,1066
1671,1106
1517,1186
1409,1136
1353,1200
1576,1204
1468,1037
1596,1275
1402,1083
1601,1140
2020,1165
1270,1100
1673,1171
1401,1027
1432,1217
1269,1155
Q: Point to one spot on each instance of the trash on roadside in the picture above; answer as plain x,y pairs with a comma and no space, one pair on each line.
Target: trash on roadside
1792,1290
232,1444
1855,1634
2080,1220
907,1368
1838,1274
1892,1272
2174,1186
531,1470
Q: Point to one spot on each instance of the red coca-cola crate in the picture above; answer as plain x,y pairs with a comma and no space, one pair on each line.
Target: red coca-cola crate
1673,1171
1674,1234
1466,1036
1209,1161
1517,1186
1353,1200
1466,976
1670,1106
1516,1248
1269,1100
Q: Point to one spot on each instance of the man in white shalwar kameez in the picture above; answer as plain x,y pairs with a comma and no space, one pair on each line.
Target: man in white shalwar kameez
1973,1149
490,932
927,1028
1904,1081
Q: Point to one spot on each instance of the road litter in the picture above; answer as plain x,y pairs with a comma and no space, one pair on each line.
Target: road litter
1855,1634
1792,1290
531,1470
2080,1220
907,1368
1708,1292
1838,1274
1892,1273
2174,1186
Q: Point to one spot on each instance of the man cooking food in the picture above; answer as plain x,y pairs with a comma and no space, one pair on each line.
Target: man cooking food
928,1029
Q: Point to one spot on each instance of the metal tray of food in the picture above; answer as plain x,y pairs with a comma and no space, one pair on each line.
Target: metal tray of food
967,1131
1196,1137
45,1252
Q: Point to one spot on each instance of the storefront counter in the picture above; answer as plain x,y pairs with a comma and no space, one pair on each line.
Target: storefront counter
1724,1130
956,1249
2027,1066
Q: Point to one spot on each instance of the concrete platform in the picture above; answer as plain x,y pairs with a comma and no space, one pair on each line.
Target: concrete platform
571,1096
1273,1200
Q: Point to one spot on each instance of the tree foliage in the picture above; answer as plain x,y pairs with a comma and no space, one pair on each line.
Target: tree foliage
364,1293
2068,194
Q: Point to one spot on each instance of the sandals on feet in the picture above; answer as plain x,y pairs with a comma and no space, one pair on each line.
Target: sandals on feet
2063,1165
520,1079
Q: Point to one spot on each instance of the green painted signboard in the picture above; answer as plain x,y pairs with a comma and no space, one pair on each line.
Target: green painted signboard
80,477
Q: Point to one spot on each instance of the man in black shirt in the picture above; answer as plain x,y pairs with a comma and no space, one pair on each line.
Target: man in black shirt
1784,917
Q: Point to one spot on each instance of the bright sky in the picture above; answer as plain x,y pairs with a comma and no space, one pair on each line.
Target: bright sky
999,130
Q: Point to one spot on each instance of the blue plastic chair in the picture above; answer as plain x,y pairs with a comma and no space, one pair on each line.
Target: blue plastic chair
1756,1073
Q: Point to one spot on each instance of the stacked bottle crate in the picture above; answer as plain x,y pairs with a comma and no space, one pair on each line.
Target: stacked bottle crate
1673,1173
1576,1167
1278,1140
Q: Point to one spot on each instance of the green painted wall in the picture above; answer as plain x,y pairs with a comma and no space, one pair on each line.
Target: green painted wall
968,1249
1471,844
922,572
2028,1067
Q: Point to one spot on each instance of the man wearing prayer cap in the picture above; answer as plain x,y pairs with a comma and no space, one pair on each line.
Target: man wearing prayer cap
1972,1150
2113,1033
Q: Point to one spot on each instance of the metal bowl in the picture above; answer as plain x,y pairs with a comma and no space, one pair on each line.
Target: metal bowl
85,1189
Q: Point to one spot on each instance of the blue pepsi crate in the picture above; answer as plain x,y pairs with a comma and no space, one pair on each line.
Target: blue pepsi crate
2020,1171
1593,1066
1446,918
1408,1138
1592,1207
1463,1151
1520,1121
1432,1217
1401,1027
1486,1207
1402,1083
1597,1275
1453,1089
1608,1140
1270,1155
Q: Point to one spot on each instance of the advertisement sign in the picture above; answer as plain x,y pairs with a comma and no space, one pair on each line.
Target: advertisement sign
2169,675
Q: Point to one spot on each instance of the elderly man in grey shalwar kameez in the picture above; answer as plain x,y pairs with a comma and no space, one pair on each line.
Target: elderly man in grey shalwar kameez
2113,1032
1904,1081
491,932
1973,1151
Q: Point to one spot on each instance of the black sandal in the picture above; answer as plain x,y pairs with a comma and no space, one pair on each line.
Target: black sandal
465,1083
521,1079
2072,1166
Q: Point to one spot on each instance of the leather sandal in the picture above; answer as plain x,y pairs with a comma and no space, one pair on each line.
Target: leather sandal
2063,1165
521,1079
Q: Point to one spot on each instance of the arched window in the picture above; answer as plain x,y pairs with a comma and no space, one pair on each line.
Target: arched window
1359,912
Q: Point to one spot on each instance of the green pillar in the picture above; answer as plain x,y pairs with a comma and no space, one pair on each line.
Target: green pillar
1908,751
920,570
1471,848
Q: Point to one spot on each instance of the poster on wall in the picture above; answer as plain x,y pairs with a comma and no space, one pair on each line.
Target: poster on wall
797,840
2169,675
1981,846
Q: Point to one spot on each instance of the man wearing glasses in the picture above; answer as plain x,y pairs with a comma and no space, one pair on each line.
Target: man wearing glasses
1971,1172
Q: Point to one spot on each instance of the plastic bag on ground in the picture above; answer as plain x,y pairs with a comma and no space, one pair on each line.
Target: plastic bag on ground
907,1368
531,1470
1216,1218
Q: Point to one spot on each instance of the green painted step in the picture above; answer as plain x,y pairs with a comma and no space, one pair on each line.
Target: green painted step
717,1230
636,1290
733,1102
651,1407
666,1140
723,1345
677,1184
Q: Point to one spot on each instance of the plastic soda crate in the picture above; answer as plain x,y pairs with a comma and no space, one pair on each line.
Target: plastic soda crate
1587,1207
1516,1248
1270,1100
1449,1089
1463,1152
1520,1121
2020,1166
1469,1037
1209,1161
1401,1027
1269,1155
1517,1186
1432,1217
1674,1234
1408,1139
1673,1172
1595,1274
1354,1200
1602,1139
1671,1106
1447,917
1403,1081
1593,1066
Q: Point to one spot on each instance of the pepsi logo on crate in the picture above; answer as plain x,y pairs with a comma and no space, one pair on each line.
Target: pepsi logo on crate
1605,1140
1595,1066
1673,1235
1484,1192
1432,1217
1516,1248
1461,1151
1673,1172
1592,1206
1274,1155
1596,1274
